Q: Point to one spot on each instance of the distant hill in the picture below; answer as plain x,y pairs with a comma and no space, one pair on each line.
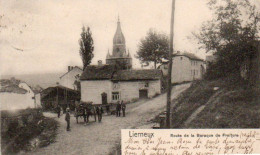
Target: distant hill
43,80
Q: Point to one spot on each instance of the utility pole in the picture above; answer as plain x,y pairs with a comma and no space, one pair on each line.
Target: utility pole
169,88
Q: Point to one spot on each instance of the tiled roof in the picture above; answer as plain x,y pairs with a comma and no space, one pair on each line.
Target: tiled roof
7,85
108,72
144,74
71,70
95,72
190,55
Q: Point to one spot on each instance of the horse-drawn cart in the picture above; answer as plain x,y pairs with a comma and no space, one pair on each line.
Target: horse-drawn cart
85,109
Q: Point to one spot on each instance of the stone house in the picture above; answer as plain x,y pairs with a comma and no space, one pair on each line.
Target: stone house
68,79
103,84
185,67
18,96
116,80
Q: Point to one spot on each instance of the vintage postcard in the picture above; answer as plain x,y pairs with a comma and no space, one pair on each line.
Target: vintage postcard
101,77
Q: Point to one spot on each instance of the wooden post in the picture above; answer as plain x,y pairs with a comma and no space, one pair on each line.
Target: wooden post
169,88
57,96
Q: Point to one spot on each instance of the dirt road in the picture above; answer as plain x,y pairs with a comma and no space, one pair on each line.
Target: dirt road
101,138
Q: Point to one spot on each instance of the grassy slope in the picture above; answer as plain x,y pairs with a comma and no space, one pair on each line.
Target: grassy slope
233,105
17,139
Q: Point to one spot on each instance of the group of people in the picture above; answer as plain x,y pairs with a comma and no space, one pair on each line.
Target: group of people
120,106
99,111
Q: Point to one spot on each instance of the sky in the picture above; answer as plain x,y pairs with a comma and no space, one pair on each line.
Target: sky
41,36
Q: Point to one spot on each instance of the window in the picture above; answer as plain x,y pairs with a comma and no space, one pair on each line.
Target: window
115,96
115,85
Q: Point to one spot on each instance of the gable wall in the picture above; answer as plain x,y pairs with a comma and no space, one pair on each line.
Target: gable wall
183,69
69,79
91,90
14,101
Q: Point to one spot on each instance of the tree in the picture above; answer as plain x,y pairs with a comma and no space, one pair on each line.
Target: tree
230,35
153,48
86,46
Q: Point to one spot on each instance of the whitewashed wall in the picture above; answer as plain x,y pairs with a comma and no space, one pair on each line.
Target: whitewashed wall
183,69
92,90
69,79
13,101
38,100
128,90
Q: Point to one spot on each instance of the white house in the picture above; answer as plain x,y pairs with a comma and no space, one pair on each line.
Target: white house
19,96
68,79
185,67
103,84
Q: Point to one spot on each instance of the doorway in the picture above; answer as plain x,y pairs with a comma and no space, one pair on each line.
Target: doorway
104,98
143,93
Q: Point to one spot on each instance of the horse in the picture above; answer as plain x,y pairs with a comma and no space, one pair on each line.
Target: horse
85,110
91,111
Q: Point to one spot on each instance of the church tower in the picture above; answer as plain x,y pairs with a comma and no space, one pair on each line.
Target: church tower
119,54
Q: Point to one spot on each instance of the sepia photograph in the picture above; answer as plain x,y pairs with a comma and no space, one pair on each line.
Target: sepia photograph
75,76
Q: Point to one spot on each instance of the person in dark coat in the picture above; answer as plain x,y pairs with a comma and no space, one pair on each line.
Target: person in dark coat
107,109
67,118
123,108
118,109
99,111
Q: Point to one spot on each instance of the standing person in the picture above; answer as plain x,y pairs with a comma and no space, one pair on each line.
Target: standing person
67,118
107,109
99,111
123,108
118,109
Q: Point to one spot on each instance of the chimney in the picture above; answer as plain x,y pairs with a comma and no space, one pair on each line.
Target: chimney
68,68
99,62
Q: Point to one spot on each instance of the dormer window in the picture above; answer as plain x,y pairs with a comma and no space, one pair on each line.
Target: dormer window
115,85
146,84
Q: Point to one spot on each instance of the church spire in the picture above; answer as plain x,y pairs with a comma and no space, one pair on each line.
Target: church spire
119,52
108,54
119,37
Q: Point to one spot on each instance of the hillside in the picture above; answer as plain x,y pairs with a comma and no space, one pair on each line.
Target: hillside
223,103
43,80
